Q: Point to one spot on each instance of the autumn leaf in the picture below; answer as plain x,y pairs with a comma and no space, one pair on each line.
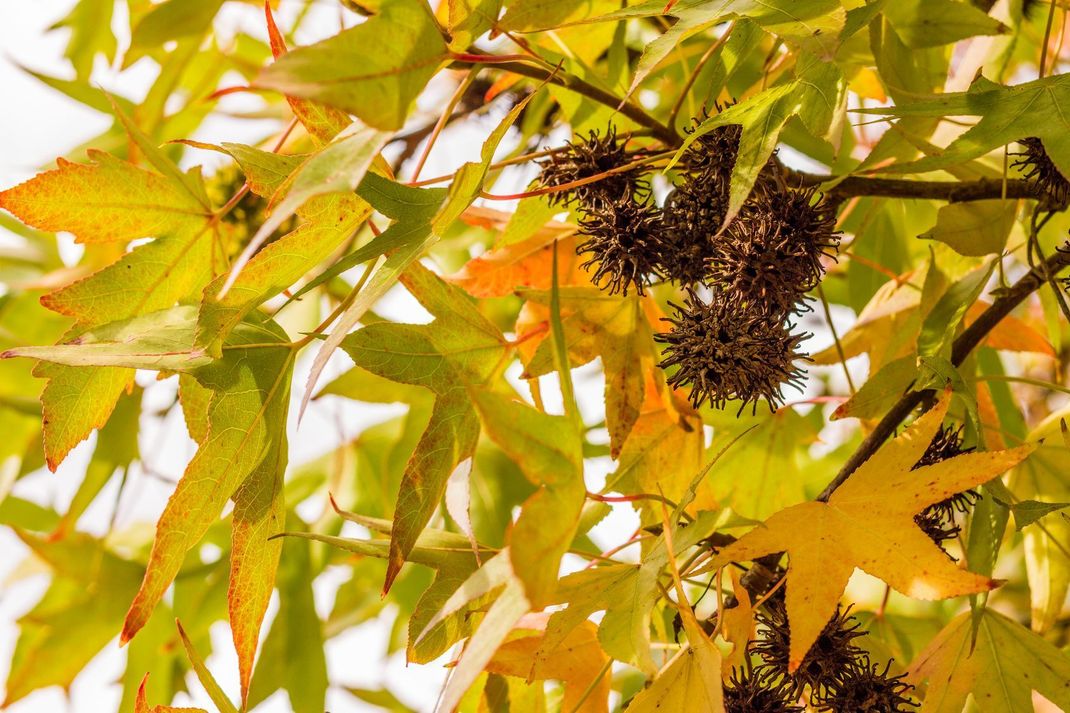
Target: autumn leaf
141,705
374,70
91,201
868,524
578,662
600,325
459,350
527,263
996,661
691,681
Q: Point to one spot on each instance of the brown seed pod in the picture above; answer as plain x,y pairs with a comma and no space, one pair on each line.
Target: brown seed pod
864,688
938,520
712,155
832,654
692,216
725,354
622,244
770,255
589,157
1038,167
758,690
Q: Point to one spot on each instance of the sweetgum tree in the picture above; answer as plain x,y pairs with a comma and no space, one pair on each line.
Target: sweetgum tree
671,197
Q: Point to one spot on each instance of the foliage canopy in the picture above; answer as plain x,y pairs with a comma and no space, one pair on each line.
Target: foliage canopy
658,207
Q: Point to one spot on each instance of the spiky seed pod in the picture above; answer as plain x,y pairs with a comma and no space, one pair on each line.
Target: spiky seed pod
758,691
770,255
938,520
584,158
832,654
712,154
865,688
622,244
1038,167
725,354
692,215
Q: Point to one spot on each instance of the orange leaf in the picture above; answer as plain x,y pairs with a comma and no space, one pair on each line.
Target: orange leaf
1011,334
104,200
578,662
525,264
737,626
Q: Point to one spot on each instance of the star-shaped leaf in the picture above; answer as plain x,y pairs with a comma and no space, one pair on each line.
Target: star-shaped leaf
868,524
1000,668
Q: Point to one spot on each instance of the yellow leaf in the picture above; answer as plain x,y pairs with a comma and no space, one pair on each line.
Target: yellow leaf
690,682
737,626
578,662
868,523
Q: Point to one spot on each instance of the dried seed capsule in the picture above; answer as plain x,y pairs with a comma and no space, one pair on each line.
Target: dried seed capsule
622,244
758,690
864,688
691,218
1038,167
584,158
938,520
723,353
832,654
770,255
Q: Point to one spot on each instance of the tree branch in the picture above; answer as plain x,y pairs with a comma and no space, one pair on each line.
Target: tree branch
573,83
965,343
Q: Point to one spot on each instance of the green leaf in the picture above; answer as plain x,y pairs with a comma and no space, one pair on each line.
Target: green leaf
409,237
77,616
881,390
293,656
374,70
1042,477
460,349
939,327
974,229
90,25
1001,665
627,593
468,19
245,443
815,23
1007,114
1026,512
817,97
219,698
548,449
173,19
932,23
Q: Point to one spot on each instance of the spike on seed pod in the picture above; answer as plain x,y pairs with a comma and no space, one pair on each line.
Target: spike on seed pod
725,354
1038,167
770,255
622,244
584,158
938,520
833,652
865,688
758,690
693,214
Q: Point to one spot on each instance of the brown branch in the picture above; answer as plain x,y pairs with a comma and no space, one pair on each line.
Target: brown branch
961,348
573,83
950,191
